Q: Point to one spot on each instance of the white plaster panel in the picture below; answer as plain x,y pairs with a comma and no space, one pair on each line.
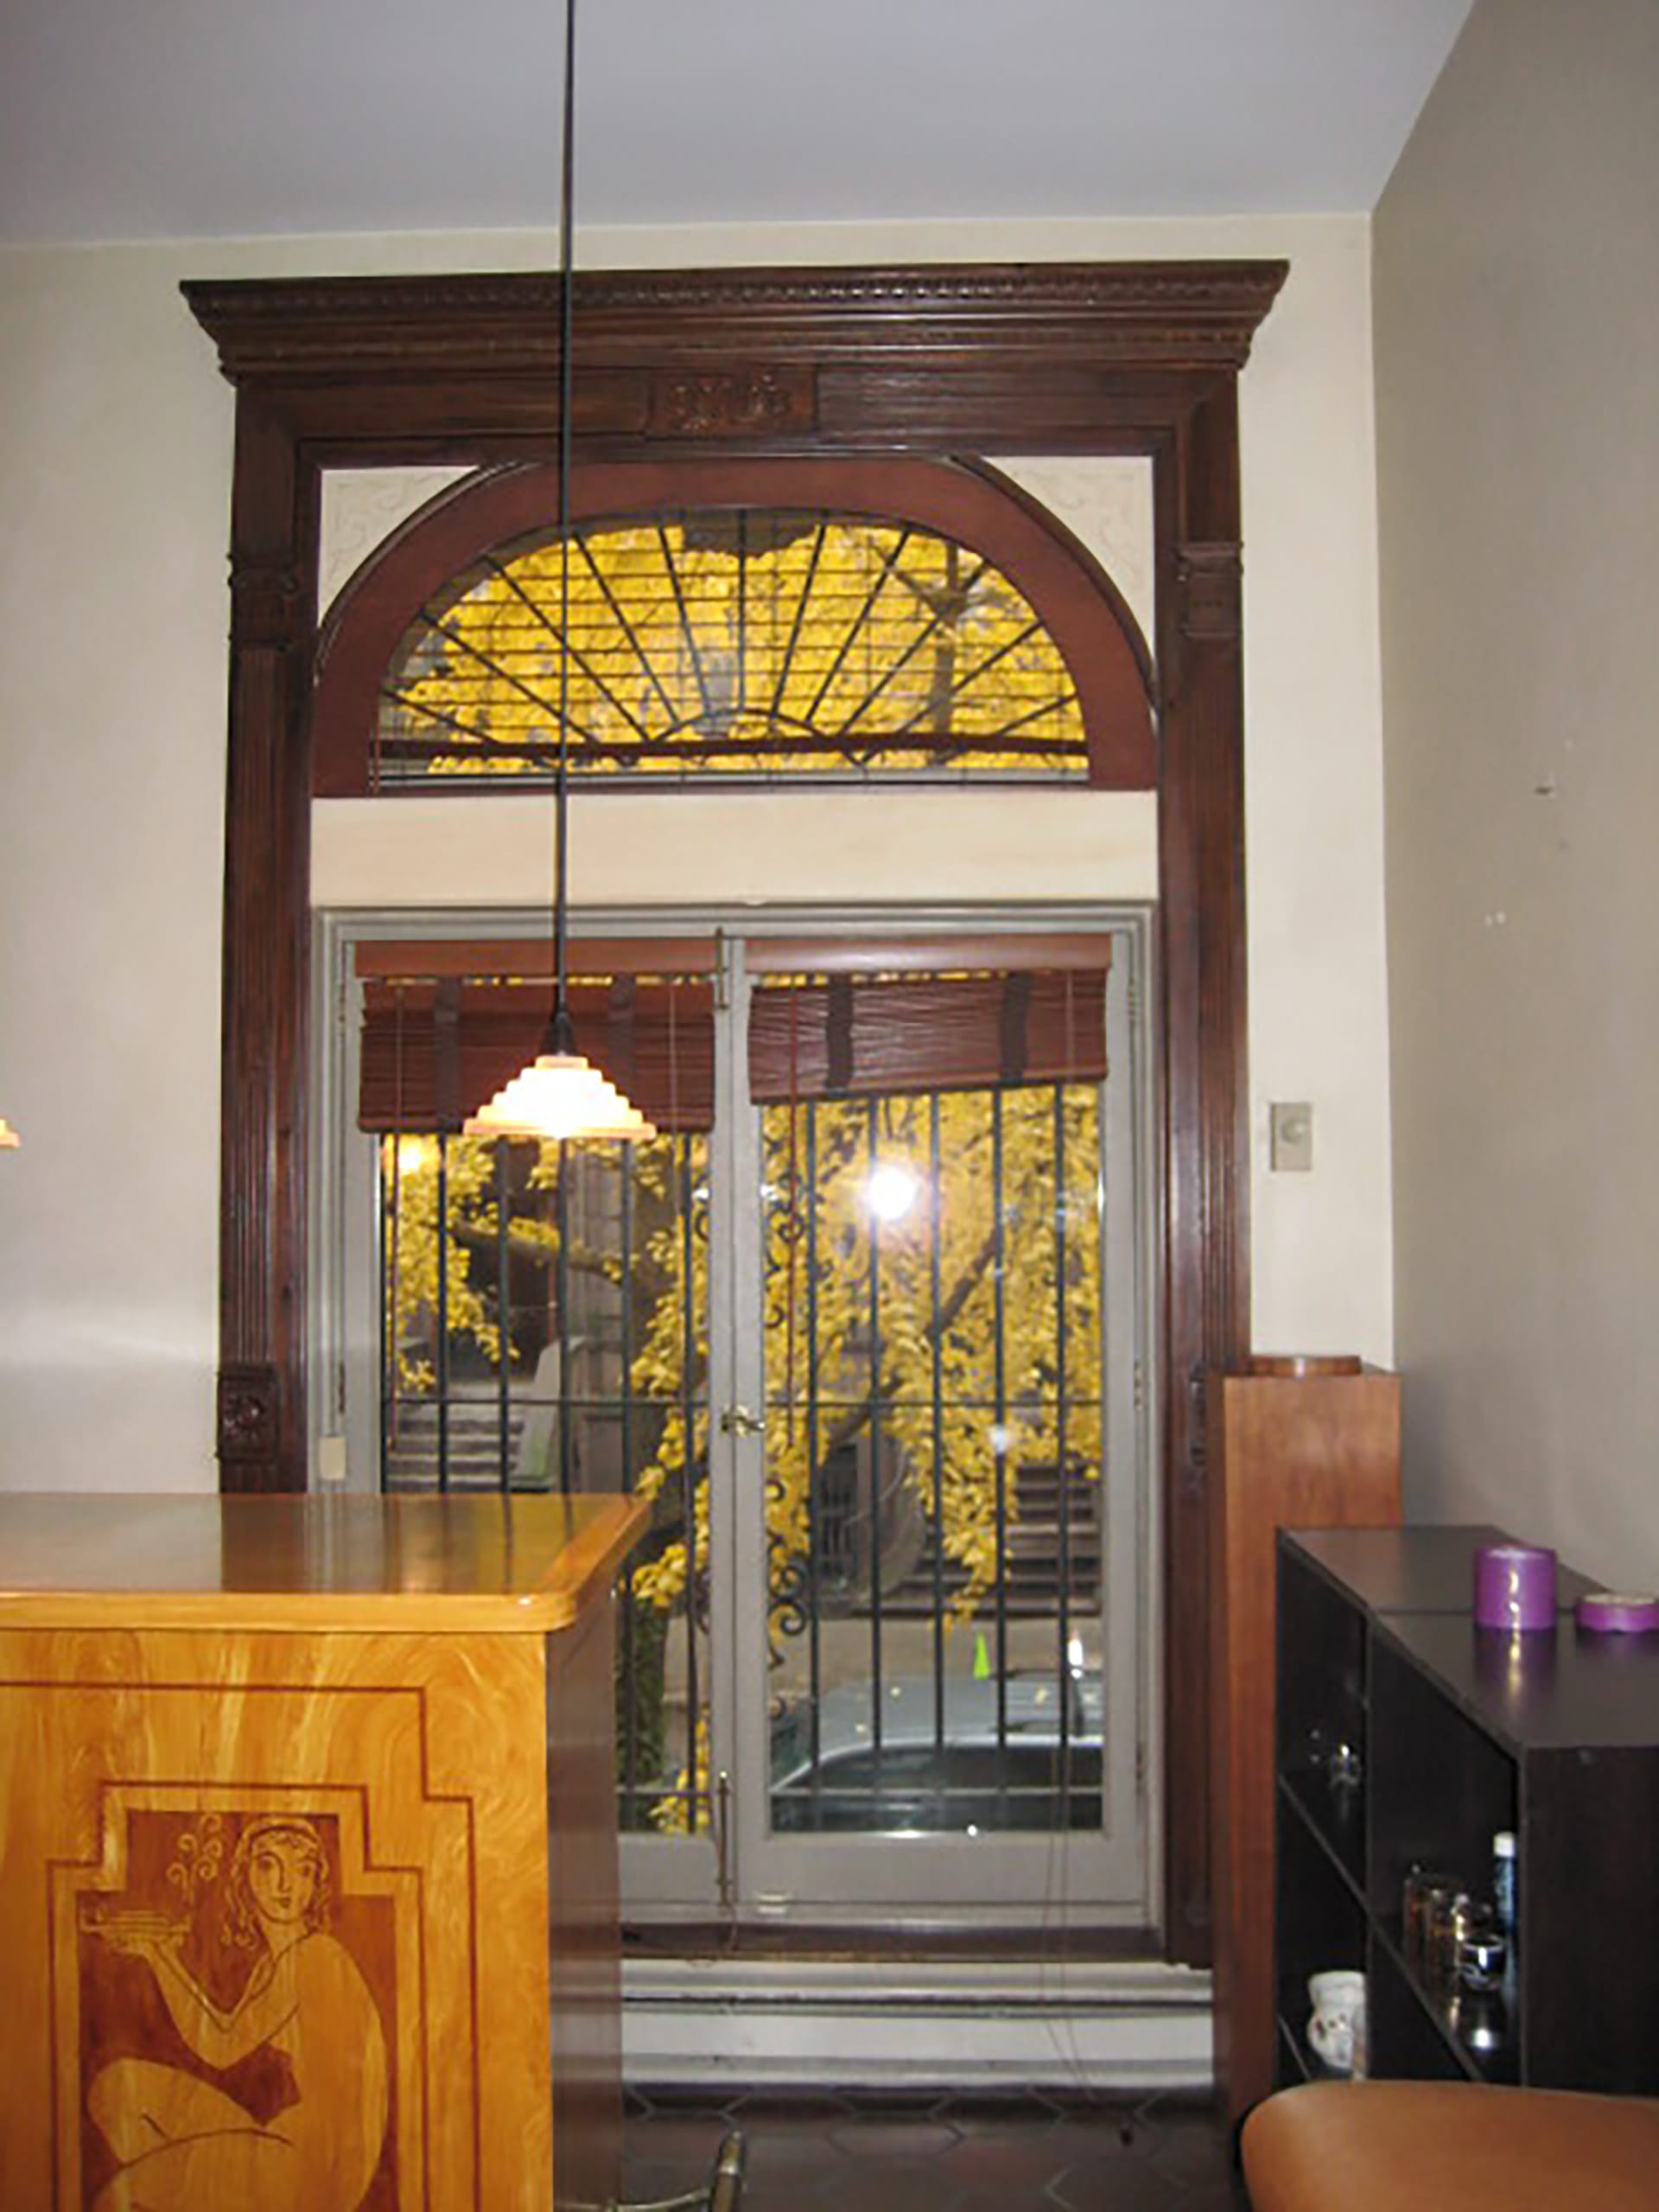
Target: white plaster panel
1518,311
1105,501
689,848
360,508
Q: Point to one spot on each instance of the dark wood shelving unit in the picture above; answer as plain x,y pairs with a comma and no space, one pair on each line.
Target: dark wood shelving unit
1443,1734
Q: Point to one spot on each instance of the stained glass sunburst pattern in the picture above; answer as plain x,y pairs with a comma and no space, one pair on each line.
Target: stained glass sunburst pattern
738,641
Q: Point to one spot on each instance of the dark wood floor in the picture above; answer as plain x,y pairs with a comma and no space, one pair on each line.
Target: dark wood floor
858,2153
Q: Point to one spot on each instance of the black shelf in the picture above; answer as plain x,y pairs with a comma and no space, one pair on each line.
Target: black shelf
1457,1734
1463,2020
1346,1854
1412,1569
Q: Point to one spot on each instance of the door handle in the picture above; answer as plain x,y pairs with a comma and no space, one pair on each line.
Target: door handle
738,1421
723,1813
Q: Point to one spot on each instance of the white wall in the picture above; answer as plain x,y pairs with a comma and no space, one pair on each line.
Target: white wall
1517,319
114,451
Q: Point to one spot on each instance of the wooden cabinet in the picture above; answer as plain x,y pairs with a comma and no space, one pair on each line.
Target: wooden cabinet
308,1873
1291,1441
1407,1735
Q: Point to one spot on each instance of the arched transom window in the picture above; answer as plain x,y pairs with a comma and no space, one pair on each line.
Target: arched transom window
763,619
744,641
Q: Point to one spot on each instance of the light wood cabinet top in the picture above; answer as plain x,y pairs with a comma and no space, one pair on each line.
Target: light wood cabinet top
459,1565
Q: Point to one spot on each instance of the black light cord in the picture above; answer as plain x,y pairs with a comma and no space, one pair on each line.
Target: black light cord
560,1036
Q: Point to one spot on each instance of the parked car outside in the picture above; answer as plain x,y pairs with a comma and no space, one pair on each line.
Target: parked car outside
956,1766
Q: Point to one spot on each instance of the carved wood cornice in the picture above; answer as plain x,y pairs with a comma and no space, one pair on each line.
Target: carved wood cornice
1169,315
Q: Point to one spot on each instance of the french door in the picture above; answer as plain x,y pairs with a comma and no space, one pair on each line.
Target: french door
869,1328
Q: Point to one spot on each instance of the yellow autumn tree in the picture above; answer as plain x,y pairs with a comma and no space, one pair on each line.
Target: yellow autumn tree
763,641
962,1420
933,1277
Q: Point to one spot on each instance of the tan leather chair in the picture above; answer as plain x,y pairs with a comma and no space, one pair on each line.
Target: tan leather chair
1418,2146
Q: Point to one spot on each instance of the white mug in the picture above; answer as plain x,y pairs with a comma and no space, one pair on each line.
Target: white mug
1337,2029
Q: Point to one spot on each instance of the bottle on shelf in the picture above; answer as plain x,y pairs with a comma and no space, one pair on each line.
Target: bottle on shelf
1504,1903
1479,2018
1503,1880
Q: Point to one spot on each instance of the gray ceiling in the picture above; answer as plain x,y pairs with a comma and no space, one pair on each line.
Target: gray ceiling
193,118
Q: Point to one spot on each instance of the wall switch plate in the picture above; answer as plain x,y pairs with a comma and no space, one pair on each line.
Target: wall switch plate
1291,1127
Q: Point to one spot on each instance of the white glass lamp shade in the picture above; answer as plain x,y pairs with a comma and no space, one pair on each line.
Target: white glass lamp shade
10,1139
559,1095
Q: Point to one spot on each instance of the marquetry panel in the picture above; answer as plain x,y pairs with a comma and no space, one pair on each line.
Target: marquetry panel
281,1903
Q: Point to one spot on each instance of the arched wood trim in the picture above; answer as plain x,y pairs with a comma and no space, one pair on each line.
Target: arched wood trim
1069,592
1137,357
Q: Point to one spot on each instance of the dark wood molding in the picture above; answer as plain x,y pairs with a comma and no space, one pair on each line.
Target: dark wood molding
1209,579
249,1418
944,362
734,326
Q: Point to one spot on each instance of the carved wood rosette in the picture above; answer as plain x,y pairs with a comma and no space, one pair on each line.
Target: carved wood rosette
1131,358
700,405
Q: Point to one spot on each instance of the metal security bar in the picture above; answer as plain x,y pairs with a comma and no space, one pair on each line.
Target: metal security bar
933,1273
544,1328
934,1292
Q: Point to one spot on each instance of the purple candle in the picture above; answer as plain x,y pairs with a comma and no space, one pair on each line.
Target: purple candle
1515,1586
1615,1612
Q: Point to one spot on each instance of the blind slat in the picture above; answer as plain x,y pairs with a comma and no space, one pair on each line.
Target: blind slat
656,1040
434,1049
854,1036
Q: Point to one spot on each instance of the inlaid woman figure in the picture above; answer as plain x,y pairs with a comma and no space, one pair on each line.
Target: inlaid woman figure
188,2146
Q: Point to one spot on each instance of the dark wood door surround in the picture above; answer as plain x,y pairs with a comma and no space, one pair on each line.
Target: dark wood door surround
1132,358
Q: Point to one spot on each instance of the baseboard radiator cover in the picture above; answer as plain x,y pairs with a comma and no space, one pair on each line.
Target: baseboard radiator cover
852,2024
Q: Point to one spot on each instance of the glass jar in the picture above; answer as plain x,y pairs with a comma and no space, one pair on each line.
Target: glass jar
1448,1919
1483,1950
1428,1893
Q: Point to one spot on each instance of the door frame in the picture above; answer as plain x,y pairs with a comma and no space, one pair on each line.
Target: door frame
347,1346
1137,358
1072,1866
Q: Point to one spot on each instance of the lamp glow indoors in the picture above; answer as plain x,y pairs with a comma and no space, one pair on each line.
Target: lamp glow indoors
891,1190
10,1139
561,1095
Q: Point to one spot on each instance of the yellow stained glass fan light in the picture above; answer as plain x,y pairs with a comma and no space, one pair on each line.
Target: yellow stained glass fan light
561,1095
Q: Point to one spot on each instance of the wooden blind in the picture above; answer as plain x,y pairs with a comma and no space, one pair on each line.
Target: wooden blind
434,1049
446,1025
847,1035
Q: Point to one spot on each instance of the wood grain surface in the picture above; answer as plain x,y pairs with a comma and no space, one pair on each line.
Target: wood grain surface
1309,1450
275,1904
485,1564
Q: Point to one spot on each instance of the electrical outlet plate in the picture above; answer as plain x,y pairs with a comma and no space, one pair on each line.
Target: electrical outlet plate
1291,1127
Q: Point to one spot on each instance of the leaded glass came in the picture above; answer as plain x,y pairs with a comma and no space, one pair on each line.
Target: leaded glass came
750,642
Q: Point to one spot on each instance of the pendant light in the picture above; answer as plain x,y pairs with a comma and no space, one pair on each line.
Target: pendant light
560,1095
